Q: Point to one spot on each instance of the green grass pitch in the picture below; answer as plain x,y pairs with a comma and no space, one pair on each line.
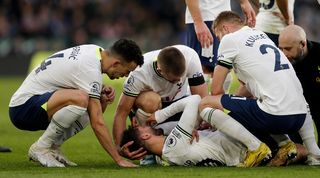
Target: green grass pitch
92,161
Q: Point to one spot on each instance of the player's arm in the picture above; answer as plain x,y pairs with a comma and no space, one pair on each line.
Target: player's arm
102,133
284,9
119,125
228,51
219,76
196,81
189,118
203,33
123,109
201,90
248,12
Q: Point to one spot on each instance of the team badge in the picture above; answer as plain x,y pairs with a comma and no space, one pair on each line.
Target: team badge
95,88
129,83
171,141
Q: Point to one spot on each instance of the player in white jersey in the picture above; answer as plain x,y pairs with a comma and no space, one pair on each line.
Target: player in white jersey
65,92
198,18
171,72
211,148
270,96
274,16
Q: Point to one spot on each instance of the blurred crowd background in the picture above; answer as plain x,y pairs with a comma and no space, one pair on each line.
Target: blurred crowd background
27,26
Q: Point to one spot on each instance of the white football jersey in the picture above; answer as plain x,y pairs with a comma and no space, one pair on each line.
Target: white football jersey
74,68
264,69
267,21
212,149
147,78
209,9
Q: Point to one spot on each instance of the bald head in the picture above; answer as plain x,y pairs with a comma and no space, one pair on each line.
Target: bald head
293,42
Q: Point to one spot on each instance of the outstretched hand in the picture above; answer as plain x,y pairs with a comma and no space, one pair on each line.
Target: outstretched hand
125,163
134,155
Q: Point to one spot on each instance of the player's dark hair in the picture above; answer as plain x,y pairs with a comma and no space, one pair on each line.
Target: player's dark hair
131,134
128,50
227,16
172,61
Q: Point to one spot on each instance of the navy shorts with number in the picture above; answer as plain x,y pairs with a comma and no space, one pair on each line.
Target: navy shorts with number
30,115
247,112
192,42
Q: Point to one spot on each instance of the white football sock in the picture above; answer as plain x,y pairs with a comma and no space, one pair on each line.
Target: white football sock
281,139
61,120
308,137
230,127
75,128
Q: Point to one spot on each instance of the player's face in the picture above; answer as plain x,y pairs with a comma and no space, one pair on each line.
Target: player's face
171,77
120,69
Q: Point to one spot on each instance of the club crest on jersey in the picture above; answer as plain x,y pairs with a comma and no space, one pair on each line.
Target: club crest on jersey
95,87
171,141
129,83
198,74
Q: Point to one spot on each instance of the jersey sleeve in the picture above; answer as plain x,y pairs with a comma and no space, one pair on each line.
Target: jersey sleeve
194,69
188,120
227,51
172,109
134,84
91,82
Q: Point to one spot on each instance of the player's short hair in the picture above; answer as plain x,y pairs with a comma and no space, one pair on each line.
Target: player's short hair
227,16
131,134
128,50
172,61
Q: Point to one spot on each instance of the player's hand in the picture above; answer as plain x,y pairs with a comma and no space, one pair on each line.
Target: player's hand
249,13
110,93
125,163
203,34
125,152
205,126
195,135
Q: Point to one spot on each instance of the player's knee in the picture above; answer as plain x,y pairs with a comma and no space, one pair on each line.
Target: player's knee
148,101
81,99
206,102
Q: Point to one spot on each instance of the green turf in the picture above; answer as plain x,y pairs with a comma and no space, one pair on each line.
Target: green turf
85,150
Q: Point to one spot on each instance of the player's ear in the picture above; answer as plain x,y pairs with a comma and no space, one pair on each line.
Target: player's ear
134,122
145,136
303,43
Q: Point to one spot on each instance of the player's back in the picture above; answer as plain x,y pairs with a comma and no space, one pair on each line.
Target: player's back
265,70
64,69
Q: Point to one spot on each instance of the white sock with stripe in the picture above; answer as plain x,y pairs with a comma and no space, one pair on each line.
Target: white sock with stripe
60,121
230,127
75,128
308,137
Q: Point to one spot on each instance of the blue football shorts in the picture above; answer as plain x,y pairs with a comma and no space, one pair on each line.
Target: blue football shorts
31,115
192,42
247,112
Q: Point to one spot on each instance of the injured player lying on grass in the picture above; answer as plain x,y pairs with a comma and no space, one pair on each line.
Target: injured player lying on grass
211,148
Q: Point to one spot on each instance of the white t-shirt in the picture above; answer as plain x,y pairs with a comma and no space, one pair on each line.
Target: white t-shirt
73,68
209,9
213,148
265,71
267,21
147,78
